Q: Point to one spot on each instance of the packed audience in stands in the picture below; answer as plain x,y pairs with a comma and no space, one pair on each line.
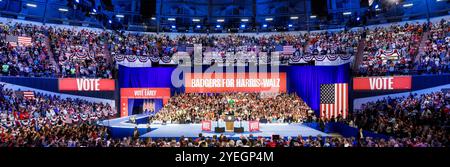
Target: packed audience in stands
30,59
423,117
391,50
18,111
80,53
189,107
70,52
436,56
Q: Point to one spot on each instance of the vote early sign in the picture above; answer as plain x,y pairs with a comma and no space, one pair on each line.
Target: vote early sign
382,83
86,84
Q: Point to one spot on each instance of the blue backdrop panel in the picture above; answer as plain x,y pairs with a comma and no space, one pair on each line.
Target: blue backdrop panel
306,81
303,80
155,77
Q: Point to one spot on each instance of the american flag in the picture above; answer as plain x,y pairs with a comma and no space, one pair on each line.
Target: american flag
334,100
288,50
13,40
28,94
26,41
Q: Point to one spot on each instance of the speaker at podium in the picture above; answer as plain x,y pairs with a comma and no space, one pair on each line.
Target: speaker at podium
229,123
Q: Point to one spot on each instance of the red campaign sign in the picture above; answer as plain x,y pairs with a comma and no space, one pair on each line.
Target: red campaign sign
382,83
235,82
85,84
253,126
206,125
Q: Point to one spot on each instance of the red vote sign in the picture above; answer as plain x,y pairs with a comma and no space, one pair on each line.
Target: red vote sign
382,83
86,84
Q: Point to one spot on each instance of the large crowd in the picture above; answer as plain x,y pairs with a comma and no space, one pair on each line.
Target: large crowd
31,60
396,50
389,50
424,117
436,56
189,107
52,121
86,135
18,111
80,53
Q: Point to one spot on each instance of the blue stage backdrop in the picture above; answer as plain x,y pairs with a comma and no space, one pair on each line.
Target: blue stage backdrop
306,81
303,80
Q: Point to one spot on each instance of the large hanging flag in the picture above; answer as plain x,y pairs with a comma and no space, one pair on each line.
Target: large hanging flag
334,100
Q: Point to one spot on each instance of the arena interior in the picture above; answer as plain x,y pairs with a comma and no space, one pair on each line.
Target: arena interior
224,73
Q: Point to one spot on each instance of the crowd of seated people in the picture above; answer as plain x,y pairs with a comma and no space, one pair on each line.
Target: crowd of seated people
19,111
391,50
162,45
423,117
80,53
22,59
87,135
193,108
436,58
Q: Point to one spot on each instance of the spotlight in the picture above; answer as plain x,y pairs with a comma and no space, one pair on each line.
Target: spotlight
242,25
31,5
347,13
217,26
290,25
63,9
198,26
265,25
407,5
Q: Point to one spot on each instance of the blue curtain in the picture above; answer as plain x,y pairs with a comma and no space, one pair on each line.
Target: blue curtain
159,77
306,81
158,104
130,106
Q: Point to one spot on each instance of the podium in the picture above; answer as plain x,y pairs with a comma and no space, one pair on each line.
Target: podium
229,123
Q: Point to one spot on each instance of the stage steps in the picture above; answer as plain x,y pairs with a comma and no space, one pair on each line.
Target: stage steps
359,54
51,55
422,45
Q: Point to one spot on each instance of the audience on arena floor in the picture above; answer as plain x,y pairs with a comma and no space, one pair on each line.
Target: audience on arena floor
190,107
86,135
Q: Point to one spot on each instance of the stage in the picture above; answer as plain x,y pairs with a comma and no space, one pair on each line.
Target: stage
121,127
266,130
